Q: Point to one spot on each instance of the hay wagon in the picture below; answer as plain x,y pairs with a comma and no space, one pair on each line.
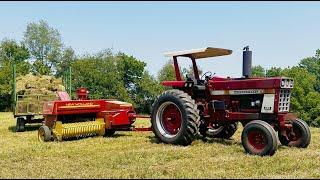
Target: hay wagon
28,109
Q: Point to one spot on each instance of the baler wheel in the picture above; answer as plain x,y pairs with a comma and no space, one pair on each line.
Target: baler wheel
20,126
175,118
259,138
300,137
44,134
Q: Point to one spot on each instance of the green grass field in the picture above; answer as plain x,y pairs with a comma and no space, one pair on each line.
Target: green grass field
138,155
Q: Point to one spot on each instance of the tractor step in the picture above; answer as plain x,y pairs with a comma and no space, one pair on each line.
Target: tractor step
80,129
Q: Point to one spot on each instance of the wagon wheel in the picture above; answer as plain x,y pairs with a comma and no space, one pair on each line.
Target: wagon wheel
300,135
259,138
20,126
175,118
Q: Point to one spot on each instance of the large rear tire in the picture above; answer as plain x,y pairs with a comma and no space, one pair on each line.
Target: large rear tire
175,118
300,136
259,138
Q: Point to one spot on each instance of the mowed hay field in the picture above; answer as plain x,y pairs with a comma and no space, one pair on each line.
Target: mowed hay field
139,155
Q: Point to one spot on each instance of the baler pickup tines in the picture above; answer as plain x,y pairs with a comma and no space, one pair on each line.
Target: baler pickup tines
80,129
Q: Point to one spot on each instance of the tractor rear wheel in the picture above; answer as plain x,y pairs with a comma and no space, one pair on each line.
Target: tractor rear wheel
221,131
175,118
44,134
20,126
259,138
300,135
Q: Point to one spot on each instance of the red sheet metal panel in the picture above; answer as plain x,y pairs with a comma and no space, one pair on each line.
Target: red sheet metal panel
265,83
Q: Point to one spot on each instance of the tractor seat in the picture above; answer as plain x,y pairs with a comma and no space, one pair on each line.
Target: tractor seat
200,82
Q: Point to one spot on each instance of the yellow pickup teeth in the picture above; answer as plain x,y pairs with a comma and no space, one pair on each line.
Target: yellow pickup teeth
80,129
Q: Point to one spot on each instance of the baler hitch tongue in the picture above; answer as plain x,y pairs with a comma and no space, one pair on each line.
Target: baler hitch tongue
80,129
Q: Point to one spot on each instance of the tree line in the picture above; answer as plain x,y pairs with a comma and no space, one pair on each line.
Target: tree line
116,75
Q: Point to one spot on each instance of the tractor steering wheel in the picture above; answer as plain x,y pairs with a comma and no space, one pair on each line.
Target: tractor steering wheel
206,76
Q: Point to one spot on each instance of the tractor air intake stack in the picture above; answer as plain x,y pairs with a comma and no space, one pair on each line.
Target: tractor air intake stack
247,60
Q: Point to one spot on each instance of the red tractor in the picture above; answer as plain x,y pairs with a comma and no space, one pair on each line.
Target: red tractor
212,106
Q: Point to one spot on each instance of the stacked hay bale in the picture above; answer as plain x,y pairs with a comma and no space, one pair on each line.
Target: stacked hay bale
36,90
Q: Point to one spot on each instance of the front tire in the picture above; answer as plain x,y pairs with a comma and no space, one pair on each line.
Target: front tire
259,138
175,118
300,136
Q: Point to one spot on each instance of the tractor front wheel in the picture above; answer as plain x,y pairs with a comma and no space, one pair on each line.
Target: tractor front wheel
299,136
175,118
20,126
259,138
44,134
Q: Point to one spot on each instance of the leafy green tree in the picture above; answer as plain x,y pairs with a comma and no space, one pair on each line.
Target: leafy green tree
258,71
141,87
312,65
167,72
45,46
116,76
188,72
100,77
130,69
312,108
11,53
273,72
68,57
148,88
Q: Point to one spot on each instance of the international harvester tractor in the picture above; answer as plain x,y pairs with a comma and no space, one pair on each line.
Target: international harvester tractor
212,106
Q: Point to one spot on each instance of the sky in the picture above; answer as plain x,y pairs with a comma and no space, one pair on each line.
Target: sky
278,33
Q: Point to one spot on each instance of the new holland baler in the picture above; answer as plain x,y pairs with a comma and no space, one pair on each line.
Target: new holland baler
66,118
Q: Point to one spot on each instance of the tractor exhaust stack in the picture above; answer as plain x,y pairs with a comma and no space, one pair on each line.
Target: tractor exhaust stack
247,61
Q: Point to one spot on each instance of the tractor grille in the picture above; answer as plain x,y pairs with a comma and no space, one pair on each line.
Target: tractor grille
284,100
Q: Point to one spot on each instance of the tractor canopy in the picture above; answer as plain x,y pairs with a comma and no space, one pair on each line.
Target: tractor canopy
200,53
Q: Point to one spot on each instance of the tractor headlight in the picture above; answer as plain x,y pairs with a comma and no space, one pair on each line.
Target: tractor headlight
258,103
291,83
